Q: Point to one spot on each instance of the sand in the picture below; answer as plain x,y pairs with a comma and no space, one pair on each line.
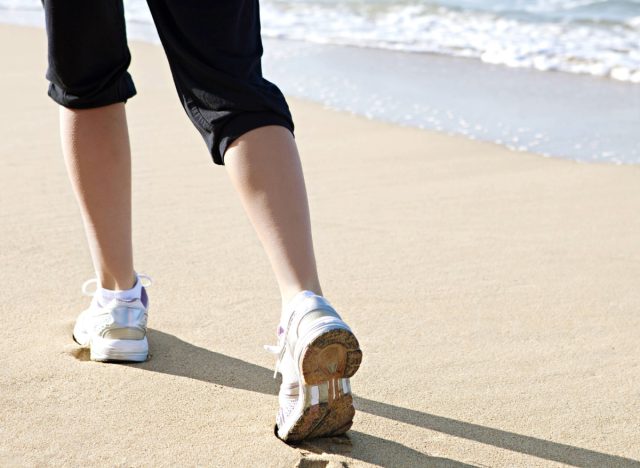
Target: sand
495,295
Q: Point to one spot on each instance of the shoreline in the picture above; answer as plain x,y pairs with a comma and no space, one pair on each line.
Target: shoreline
494,295
518,108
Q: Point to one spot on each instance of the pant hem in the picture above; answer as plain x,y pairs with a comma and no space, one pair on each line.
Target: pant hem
241,125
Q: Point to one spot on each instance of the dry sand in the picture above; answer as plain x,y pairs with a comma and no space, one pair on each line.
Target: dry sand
496,296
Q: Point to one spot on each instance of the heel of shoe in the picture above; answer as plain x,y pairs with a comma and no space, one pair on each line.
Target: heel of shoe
106,349
331,355
326,358
320,419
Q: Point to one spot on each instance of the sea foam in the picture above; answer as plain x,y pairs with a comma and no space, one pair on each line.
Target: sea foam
532,37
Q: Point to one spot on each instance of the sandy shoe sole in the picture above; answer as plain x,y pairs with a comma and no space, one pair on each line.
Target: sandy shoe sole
332,354
325,407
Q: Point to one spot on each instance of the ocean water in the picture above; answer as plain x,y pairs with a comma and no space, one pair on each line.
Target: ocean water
556,77
595,37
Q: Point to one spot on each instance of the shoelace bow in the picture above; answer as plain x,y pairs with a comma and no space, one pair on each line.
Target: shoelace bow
281,347
85,292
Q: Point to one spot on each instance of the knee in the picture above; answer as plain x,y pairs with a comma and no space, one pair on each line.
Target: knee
87,53
78,88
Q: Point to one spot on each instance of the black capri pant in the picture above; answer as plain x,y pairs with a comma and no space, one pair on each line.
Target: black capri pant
213,48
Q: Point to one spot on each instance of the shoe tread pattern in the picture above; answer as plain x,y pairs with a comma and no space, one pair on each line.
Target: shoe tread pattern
331,356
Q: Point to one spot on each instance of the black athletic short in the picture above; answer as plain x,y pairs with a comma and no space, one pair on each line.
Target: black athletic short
213,48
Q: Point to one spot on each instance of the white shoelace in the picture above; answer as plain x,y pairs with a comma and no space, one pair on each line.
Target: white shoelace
281,347
278,350
95,281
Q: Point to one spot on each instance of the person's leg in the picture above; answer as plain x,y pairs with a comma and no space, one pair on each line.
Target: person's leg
88,78
88,61
265,169
214,50
95,143
317,351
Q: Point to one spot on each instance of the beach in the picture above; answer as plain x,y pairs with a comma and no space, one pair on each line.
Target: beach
494,293
489,70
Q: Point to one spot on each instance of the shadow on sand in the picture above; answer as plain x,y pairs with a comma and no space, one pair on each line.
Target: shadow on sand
170,353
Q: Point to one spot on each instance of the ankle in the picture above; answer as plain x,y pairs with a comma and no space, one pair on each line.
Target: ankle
289,293
117,283
105,295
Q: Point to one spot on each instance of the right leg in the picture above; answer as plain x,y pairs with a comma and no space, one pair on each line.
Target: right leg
214,50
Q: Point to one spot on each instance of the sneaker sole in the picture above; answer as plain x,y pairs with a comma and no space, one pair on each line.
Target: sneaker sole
326,364
111,350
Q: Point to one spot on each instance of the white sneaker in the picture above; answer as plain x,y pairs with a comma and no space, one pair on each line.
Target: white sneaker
317,353
116,331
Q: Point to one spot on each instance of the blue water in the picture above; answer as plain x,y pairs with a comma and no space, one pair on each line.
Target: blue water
556,77
593,37
596,37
